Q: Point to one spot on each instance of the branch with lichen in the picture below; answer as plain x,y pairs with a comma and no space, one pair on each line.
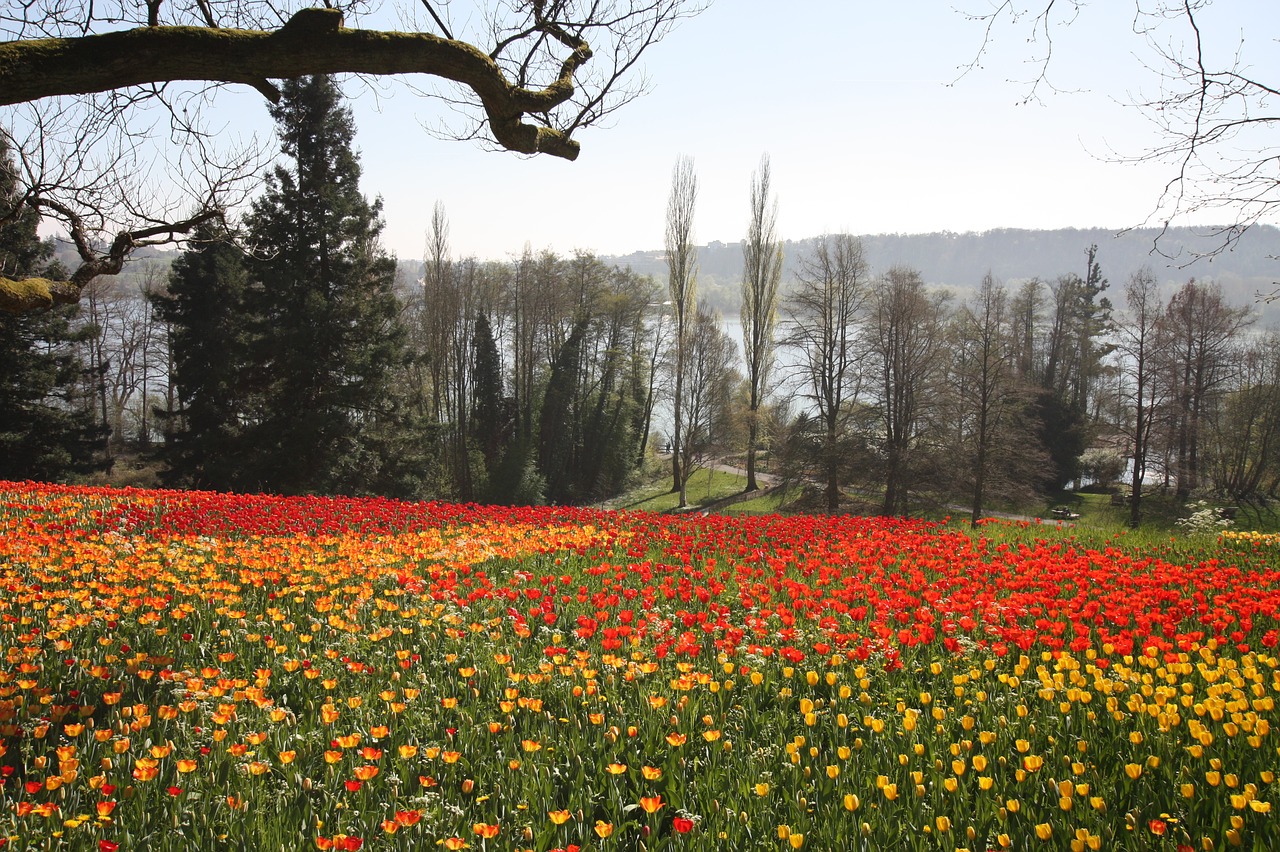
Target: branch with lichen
28,295
313,41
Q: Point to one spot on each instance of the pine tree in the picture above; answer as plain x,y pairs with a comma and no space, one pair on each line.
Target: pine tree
321,288
46,430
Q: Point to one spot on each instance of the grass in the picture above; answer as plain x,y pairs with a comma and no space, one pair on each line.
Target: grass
766,504
1100,521
704,487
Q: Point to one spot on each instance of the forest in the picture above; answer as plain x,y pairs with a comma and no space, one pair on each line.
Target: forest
304,359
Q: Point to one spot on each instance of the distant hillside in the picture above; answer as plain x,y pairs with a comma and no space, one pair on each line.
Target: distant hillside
954,261
958,261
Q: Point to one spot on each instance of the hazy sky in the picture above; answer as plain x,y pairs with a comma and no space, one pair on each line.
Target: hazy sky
862,108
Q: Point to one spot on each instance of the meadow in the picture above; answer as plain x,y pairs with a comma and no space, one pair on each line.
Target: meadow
190,671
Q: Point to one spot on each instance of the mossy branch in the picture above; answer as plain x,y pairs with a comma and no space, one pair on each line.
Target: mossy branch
312,42
35,294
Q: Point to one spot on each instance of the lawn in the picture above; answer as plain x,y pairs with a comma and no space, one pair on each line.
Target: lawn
203,671
705,486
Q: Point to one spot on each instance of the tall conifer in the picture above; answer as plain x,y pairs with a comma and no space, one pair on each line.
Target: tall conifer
46,428
210,337
321,288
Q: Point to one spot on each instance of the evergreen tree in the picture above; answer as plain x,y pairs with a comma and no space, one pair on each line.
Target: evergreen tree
286,362
492,422
560,444
47,430
210,339
1075,345
321,289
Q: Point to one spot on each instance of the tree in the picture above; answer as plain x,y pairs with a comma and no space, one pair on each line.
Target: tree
615,383
995,450
322,287
47,430
682,282
559,440
84,79
124,353
821,321
295,359
1025,317
905,347
708,390
650,344
211,331
1202,330
1244,431
1081,317
761,272
450,291
1071,361
491,417
1140,346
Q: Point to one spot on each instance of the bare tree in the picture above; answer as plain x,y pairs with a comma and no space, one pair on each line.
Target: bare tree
1244,432
995,451
708,388
441,311
682,286
91,93
821,315
1212,114
1202,330
1025,316
1140,344
650,342
761,272
905,337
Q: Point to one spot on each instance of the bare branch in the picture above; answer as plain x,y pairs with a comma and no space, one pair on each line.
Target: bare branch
92,85
1039,32
1214,117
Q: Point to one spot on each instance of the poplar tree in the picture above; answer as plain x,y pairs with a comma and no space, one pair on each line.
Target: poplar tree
682,282
761,272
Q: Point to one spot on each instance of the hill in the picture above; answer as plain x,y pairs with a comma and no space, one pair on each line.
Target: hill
959,260
956,261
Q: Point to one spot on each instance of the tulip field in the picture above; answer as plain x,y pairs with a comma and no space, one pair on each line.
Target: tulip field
198,671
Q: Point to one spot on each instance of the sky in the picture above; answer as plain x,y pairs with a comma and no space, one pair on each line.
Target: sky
864,108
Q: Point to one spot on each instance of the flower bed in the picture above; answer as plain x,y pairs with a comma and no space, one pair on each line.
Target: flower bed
204,671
